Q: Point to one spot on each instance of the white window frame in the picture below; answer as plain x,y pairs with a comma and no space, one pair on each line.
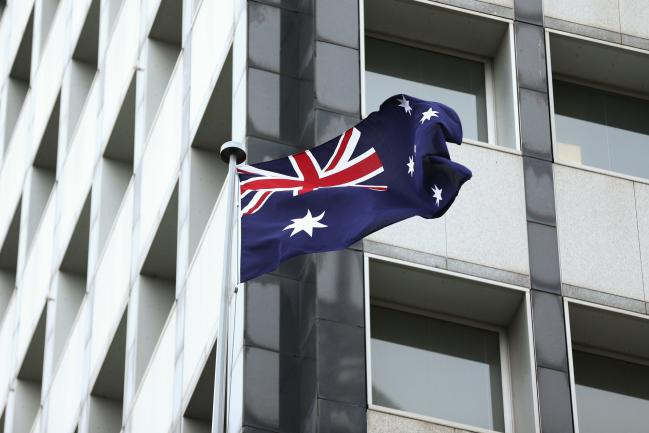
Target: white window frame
571,367
550,75
508,417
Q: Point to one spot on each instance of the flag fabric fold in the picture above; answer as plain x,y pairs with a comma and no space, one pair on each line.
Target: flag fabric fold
391,166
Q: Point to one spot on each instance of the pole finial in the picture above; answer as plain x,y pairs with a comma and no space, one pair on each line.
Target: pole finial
233,148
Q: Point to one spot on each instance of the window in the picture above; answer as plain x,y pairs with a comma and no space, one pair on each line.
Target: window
424,50
608,401
392,68
447,370
602,129
615,342
601,103
441,348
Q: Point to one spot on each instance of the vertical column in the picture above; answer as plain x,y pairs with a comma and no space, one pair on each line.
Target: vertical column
279,121
184,259
337,332
555,408
304,354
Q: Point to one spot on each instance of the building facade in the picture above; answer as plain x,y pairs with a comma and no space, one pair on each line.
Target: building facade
523,310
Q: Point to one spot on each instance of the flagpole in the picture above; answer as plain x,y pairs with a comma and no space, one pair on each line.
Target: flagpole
232,153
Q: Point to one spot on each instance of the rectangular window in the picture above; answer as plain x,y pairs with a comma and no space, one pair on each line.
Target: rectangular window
394,68
601,129
441,348
601,104
436,368
615,401
424,49
609,361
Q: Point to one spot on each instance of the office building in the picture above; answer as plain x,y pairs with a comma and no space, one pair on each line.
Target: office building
523,310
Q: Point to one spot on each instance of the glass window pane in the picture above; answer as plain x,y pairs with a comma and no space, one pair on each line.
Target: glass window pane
615,401
392,68
436,368
602,129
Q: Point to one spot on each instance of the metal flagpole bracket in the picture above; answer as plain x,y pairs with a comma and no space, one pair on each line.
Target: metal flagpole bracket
232,153
230,148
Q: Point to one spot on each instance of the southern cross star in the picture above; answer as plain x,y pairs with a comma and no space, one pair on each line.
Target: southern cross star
306,224
403,102
426,115
411,166
437,195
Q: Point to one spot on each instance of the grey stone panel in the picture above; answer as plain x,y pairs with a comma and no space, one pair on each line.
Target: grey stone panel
441,262
329,125
308,297
641,193
634,16
340,287
603,14
306,115
529,11
341,362
555,406
272,314
501,8
530,57
633,41
489,273
273,38
539,191
336,21
534,112
260,150
549,331
272,109
271,390
582,30
336,417
380,422
293,5
602,298
337,78
486,224
254,430
415,234
295,268
309,386
406,254
598,222
544,257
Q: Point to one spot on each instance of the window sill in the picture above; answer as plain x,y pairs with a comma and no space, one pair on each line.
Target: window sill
437,421
491,146
602,171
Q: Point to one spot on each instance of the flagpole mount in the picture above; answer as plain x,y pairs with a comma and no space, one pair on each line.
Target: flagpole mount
233,148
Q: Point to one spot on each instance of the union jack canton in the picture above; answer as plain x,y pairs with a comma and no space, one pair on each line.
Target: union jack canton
392,165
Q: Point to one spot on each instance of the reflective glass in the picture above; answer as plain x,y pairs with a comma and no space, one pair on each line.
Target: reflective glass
602,129
436,368
392,69
612,395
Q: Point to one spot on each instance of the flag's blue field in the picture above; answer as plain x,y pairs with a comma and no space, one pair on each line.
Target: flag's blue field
391,166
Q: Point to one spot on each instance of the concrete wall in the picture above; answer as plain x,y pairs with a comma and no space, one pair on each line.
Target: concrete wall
131,208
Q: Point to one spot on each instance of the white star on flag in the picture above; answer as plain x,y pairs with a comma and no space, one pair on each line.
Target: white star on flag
411,166
306,224
426,115
405,104
437,195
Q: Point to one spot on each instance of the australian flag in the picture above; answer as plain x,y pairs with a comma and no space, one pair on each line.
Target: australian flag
391,166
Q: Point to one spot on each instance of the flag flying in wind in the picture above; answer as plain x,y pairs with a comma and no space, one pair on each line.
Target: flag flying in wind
390,166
